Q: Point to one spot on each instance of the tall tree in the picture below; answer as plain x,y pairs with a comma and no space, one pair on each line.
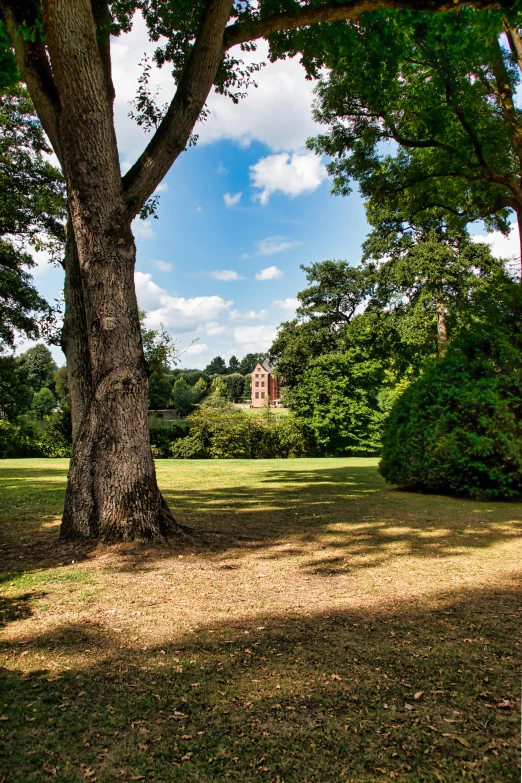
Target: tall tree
63,52
443,89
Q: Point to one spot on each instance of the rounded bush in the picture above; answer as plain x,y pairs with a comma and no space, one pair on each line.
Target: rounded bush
458,428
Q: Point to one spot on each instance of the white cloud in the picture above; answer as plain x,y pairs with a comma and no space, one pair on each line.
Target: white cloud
143,229
162,188
289,174
214,328
250,315
288,305
270,273
276,244
198,209
252,339
277,113
501,246
177,312
196,349
232,200
226,275
163,266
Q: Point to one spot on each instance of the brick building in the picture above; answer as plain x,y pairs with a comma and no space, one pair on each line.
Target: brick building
265,384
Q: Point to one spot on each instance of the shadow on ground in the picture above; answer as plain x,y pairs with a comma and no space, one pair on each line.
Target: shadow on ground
424,693
349,510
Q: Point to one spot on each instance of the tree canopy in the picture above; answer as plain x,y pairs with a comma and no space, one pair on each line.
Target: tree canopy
422,113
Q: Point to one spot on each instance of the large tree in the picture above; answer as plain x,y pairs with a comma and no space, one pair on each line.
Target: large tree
442,90
63,51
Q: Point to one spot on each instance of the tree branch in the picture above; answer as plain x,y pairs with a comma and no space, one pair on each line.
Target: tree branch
306,15
35,69
191,94
514,41
102,20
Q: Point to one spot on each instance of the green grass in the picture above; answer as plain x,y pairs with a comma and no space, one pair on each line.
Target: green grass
333,629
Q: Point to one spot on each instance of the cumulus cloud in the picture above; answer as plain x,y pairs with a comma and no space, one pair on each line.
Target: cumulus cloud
277,113
270,273
288,305
291,175
501,246
253,339
275,244
143,229
163,266
196,348
214,328
180,313
225,275
232,200
250,315
162,188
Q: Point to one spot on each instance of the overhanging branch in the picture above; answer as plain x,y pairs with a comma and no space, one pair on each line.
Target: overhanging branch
307,15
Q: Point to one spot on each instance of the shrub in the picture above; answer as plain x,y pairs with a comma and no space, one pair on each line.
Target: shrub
235,435
458,428
162,438
17,440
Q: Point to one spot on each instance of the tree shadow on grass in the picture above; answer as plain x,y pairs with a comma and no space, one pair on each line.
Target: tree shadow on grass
348,510
425,692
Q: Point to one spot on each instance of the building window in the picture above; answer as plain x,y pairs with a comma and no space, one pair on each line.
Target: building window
257,383
257,375
262,395
257,395
262,384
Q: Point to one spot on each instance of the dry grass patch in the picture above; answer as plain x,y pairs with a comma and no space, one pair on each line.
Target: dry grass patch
331,629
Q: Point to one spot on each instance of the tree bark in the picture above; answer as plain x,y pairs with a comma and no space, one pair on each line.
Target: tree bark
74,338
112,492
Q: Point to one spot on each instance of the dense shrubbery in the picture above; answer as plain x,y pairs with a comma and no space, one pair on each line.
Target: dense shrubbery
162,438
236,435
23,438
458,428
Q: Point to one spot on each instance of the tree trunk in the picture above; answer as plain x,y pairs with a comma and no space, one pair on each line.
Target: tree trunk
74,341
112,492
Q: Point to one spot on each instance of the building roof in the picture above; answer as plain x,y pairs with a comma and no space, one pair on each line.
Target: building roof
266,365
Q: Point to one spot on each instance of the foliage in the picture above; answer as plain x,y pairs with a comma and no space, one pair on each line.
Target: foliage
15,392
16,440
441,88
40,367
61,385
362,334
232,434
337,397
237,386
184,397
217,366
43,403
160,390
233,364
162,438
32,211
159,348
56,440
458,428
249,361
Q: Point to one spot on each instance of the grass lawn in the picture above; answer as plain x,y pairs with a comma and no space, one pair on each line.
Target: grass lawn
330,629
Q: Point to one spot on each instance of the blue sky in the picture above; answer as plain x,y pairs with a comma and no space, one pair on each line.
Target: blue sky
238,214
